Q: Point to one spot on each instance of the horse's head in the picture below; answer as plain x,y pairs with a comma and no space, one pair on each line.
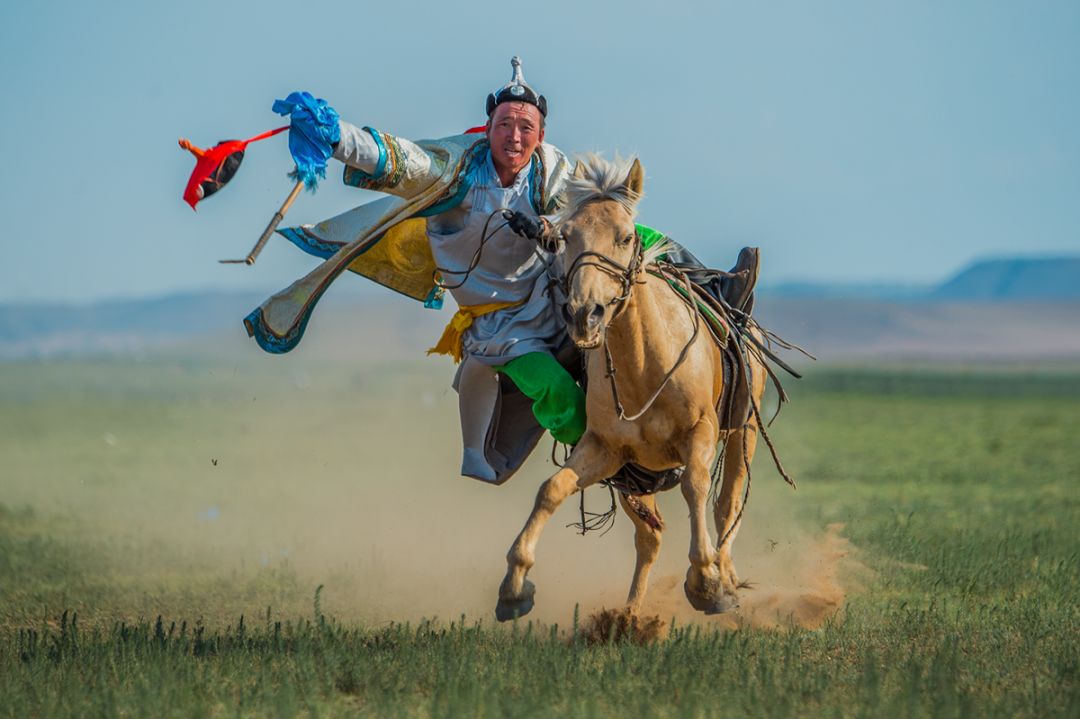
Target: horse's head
602,254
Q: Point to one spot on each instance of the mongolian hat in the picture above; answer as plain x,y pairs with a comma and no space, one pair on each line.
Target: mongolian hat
516,91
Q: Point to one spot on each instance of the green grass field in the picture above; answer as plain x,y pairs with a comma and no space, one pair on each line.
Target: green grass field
164,528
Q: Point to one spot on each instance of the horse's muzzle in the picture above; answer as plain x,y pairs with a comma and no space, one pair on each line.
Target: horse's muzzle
586,324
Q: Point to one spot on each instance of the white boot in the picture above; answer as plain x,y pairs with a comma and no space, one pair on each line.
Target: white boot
478,391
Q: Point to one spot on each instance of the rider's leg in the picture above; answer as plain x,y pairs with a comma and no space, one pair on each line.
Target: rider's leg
736,289
559,407
478,391
558,402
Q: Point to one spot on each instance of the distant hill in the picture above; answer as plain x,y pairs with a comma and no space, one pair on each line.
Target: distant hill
843,290
871,330
118,326
990,280
368,322
1015,279
994,309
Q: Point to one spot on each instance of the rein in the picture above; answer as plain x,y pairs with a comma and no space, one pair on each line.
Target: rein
738,353
627,275
485,235
610,364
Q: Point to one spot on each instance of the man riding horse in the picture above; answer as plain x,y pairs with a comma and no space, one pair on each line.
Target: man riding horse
468,215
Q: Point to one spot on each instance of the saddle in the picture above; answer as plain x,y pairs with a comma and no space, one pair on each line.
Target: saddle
726,301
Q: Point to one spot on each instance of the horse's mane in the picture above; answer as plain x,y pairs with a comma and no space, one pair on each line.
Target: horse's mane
605,180
655,252
602,180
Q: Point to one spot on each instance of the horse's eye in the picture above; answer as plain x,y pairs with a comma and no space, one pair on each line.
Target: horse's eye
627,240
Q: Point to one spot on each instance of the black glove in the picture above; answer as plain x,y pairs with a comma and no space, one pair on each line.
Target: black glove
522,224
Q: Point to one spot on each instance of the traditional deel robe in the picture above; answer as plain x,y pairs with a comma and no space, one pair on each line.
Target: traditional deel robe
485,264
443,192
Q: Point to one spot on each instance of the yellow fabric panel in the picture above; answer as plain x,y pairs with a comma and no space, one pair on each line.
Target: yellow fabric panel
450,342
401,260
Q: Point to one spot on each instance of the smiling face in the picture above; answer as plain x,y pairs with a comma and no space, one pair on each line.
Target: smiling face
515,130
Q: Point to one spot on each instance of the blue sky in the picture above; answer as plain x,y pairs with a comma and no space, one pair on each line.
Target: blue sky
851,141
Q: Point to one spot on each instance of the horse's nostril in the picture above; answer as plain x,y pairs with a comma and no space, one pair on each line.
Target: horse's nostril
585,320
596,314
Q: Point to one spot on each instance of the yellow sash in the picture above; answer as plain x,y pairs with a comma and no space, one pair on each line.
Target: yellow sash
450,342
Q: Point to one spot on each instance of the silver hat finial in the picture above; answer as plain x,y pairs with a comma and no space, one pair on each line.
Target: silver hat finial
517,82
517,90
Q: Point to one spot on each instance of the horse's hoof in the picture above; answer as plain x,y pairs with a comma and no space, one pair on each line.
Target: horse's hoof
716,604
507,610
510,609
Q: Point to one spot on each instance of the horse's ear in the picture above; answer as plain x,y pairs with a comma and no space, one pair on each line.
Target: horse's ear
579,170
635,181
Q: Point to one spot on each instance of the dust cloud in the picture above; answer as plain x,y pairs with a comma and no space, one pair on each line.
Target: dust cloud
281,476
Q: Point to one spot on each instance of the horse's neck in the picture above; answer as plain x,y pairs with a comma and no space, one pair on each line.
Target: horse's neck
640,338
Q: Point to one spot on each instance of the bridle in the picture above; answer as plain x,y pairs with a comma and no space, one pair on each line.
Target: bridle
628,276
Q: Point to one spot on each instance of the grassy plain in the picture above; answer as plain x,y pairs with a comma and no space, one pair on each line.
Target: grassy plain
928,565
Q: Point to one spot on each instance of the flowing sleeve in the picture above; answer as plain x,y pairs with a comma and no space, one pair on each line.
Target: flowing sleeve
357,148
380,161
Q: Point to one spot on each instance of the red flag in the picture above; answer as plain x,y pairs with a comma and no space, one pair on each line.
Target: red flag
216,166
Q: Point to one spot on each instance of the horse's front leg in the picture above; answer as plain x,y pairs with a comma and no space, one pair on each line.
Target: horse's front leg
590,462
704,587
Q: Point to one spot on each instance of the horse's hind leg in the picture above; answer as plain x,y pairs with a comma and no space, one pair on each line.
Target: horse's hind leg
703,587
589,463
648,524
738,451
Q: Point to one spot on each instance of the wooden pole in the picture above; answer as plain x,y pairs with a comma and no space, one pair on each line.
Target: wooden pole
274,222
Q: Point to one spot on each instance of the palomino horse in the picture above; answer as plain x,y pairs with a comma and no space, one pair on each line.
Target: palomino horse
644,355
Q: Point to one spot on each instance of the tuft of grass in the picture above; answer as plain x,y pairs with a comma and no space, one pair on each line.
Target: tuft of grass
616,626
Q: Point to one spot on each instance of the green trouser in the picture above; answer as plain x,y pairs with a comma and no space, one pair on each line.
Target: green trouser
558,402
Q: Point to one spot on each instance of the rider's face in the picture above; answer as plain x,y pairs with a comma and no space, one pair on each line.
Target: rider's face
515,130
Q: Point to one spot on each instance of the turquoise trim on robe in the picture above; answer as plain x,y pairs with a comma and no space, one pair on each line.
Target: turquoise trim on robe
307,243
434,299
452,201
356,177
